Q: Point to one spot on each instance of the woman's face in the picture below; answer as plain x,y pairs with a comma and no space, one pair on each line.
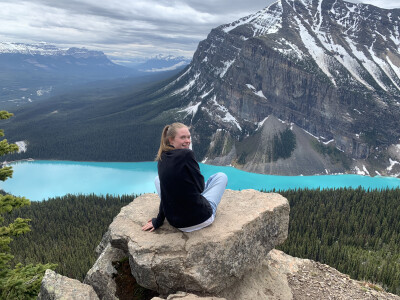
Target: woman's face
181,139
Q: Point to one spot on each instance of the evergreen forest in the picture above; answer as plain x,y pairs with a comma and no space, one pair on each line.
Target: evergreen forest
353,230
66,230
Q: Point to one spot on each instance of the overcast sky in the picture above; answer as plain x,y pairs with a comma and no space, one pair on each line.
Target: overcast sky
126,28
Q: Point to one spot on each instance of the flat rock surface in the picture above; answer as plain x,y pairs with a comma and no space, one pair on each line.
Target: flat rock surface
55,286
248,225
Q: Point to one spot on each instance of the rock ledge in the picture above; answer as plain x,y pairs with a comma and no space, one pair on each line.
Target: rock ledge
248,225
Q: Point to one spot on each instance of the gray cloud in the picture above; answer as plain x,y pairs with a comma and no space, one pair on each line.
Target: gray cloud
125,29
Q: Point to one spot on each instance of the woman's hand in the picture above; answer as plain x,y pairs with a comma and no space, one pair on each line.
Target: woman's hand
148,225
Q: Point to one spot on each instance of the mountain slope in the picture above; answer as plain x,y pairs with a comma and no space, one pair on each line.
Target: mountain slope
104,121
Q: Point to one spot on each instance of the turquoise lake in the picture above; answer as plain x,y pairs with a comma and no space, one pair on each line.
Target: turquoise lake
38,180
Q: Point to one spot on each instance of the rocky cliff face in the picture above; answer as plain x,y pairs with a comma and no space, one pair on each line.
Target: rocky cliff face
331,68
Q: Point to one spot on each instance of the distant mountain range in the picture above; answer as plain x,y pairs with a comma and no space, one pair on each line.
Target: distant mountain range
31,72
44,49
161,63
300,87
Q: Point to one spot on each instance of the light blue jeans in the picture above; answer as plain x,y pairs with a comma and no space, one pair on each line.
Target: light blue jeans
213,190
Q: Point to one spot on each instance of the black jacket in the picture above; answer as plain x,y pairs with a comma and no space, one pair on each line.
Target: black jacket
181,186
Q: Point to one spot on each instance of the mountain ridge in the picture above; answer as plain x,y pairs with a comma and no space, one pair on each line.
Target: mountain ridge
46,49
253,74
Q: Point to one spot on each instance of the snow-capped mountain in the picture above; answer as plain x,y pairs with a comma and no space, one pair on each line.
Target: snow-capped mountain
50,57
44,49
161,63
328,68
32,49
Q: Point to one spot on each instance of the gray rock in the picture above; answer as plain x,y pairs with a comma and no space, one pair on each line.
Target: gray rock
304,159
105,240
281,276
187,296
55,286
101,275
247,226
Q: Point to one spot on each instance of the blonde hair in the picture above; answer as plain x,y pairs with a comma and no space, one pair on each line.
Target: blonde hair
168,132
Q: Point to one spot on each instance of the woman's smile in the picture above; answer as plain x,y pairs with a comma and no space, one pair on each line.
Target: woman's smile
181,139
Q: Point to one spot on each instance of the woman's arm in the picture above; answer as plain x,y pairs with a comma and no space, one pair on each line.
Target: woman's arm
195,168
155,223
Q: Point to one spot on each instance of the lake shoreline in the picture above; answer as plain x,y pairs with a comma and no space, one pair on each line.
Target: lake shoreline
4,163
41,179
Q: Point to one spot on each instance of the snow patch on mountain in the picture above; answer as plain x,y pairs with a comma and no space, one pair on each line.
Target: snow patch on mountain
255,92
180,77
191,110
266,21
370,66
393,66
339,52
188,86
363,172
392,164
228,118
206,94
172,83
249,86
260,124
328,142
232,26
385,67
317,53
260,94
288,49
227,65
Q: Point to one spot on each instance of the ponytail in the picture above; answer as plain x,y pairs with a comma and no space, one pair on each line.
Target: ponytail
169,131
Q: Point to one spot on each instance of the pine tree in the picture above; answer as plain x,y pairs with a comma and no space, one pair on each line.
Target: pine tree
21,282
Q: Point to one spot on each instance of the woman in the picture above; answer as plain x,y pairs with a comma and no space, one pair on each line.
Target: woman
186,201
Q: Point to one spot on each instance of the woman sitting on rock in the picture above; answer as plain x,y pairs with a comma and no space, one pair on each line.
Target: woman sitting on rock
186,201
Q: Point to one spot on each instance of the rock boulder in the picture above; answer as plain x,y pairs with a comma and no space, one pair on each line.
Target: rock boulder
57,287
101,275
247,226
187,296
284,277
